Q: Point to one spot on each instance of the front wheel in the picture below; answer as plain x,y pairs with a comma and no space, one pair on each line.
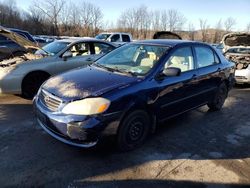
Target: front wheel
133,130
219,98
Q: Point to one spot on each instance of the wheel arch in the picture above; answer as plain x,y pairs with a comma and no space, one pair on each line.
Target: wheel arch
140,104
33,73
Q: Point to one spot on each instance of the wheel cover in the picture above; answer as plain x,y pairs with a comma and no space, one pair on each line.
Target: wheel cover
135,130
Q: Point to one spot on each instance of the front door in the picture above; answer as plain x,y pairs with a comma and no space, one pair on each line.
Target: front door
174,92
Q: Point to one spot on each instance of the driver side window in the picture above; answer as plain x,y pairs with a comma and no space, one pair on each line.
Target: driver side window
182,58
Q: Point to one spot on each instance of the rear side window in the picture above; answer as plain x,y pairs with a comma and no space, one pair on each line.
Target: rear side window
101,48
125,38
115,38
205,56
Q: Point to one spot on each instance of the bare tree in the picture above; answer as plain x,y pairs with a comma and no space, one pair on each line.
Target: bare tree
51,9
155,15
229,24
172,20
175,20
9,14
204,29
248,27
137,21
191,30
164,20
218,32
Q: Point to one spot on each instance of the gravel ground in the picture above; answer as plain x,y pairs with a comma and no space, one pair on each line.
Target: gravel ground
197,149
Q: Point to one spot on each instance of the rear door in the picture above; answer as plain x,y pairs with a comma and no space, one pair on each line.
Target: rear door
209,70
81,52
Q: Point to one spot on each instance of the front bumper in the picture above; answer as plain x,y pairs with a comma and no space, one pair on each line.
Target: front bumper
242,76
10,83
81,131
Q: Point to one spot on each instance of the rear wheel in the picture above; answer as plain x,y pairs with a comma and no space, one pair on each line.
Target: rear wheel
219,98
32,82
133,130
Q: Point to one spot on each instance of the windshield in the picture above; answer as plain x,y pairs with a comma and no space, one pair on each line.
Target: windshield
102,36
135,59
53,48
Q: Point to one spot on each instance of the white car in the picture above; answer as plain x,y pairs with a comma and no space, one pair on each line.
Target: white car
237,49
24,74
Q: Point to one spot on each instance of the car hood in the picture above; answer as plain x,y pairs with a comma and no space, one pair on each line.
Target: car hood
26,58
235,40
86,82
166,35
18,39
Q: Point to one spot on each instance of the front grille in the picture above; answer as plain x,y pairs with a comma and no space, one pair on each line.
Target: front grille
50,101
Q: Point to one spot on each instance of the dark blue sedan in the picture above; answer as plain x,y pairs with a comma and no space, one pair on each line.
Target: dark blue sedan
128,91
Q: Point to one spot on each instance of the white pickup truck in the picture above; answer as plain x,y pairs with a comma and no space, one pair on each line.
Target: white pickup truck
115,37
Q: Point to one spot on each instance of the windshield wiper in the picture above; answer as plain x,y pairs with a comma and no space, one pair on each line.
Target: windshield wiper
128,72
104,67
115,69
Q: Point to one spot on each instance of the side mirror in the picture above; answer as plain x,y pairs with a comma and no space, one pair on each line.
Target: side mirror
67,55
168,72
172,71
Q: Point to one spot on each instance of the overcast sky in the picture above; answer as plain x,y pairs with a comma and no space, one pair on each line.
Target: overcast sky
212,10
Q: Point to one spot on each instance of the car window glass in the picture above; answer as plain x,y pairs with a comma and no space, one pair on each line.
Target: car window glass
80,49
205,56
182,58
101,48
54,47
115,38
136,58
125,38
216,59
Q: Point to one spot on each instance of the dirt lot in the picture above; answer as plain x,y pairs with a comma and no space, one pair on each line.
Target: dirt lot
197,149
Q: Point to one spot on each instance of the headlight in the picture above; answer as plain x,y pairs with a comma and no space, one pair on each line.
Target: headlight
87,106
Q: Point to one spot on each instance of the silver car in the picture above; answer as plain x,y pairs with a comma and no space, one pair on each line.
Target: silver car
24,74
237,49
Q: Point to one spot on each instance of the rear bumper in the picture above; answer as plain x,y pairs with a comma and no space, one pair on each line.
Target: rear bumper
80,131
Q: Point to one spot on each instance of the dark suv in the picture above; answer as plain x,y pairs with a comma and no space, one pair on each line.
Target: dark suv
129,90
9,48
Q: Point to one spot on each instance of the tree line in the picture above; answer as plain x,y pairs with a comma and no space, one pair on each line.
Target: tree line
61,17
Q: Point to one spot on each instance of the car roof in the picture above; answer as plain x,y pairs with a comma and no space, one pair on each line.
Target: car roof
168,42
115,33
82,39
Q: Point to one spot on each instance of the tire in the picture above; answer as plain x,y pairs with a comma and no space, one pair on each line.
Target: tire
133,130
32,82
219,99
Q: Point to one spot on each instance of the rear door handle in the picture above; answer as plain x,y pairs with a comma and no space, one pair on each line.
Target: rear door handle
89,59
194,76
